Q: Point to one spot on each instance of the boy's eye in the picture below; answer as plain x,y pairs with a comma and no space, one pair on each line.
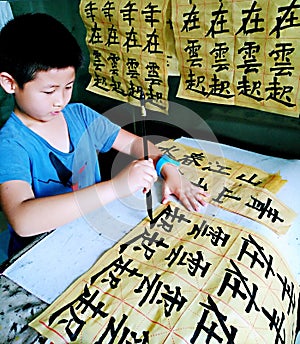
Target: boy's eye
49,92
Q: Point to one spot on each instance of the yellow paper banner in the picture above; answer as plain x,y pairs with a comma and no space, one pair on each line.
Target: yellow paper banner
235,52
130,45
239,52
183,278
233,186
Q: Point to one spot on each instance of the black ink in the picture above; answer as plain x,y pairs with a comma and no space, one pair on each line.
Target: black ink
211,331
84,302
226,193
218,236
220,169
276,324
127,12
107,9
116,268
195,261
250,89
96,37
192,49
152,44
89,10
112,38
219,52
249,180
281,55
257,255
239,280
131,40
287,20
288,291
149,12
192,21
264,209
251,21
218,24
280,94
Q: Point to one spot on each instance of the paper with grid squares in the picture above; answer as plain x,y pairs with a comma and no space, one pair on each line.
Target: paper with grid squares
236,187
239,52
181,278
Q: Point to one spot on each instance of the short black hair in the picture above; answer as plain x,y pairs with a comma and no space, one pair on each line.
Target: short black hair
35,42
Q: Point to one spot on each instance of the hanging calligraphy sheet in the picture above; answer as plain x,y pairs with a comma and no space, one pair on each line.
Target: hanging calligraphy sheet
239,52
233,186
181,278
234,52
131,46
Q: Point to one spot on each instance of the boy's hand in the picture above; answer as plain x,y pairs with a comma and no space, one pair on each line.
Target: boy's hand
176,184
138,175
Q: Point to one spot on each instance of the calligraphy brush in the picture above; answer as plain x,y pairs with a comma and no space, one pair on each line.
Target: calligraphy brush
145,147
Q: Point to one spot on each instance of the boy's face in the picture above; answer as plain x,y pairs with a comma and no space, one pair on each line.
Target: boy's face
46,95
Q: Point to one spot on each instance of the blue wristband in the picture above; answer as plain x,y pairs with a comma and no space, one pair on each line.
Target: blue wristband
164,159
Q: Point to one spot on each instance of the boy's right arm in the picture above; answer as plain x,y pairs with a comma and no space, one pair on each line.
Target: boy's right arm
31,216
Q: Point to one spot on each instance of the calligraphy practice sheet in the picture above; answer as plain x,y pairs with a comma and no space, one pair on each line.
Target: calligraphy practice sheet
239,52
181,278
235,52
236,187
131,48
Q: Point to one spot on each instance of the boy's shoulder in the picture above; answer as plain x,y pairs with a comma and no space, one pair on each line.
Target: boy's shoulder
78,109
81,113
10,125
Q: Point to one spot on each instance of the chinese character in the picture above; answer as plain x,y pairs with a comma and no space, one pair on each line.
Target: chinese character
287,20
118,266
218,169
127,12
283,65
264,209
219,88
219,51
217,24
131,40
250,180
89,10
112,36
280,93
257,255
195,261
192,49
239,280
229,332
218,236
250,62
226,193
107,9
276,324
152,43
252,91
84,301
191,23
251,21
149,14
288,291
114,332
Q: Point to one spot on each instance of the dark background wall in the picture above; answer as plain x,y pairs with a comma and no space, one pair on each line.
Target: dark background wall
242,127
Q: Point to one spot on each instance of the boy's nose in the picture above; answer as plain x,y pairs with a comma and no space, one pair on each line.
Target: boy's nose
57,105
58,101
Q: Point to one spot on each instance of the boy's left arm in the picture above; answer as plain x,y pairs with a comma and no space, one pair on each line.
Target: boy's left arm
175,183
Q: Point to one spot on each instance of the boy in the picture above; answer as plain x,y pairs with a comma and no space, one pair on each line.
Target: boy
39,142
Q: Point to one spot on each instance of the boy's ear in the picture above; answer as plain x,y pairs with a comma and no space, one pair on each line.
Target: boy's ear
7,82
